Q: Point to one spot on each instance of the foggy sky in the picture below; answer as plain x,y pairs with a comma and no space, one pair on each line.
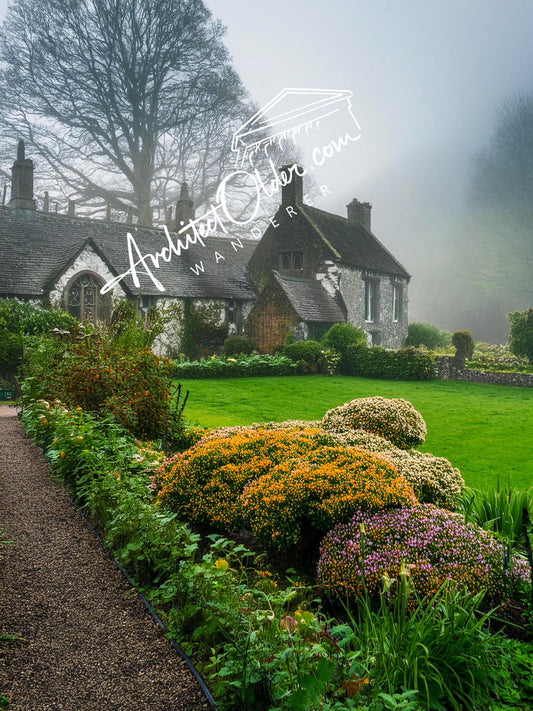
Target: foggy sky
427,78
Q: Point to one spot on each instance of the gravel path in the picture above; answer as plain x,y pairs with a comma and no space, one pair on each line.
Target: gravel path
88,641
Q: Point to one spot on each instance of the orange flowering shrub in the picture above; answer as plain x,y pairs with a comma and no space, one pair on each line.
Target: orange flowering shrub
309,494
277,482
394,419
204,483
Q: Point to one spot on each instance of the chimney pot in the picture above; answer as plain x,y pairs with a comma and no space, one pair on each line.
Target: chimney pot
184,207
22,181
360,212
292,185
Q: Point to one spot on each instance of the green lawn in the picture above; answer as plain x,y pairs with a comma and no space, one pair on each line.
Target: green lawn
485,430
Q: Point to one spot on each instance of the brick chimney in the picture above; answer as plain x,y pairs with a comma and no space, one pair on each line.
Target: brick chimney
184,207
22,182
292,190
360,212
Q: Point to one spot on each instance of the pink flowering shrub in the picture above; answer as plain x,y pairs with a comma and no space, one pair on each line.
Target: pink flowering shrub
432,544
394,419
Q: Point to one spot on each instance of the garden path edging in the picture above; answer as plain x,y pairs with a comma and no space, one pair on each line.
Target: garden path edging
75,653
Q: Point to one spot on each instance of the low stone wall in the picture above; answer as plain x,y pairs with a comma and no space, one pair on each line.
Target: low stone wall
446,370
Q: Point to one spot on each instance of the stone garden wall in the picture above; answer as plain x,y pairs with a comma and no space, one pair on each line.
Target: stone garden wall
447,370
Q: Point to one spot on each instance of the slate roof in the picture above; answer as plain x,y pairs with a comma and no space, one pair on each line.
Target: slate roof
309,299
352,244
35,249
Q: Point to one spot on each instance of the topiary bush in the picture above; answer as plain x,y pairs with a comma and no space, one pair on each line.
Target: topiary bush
427,543
434,479
521,336
238,345
464,347
425,334
284,484
394,419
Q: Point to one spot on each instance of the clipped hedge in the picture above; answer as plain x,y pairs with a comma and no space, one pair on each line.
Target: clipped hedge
248,366
427,543
376,362
394,419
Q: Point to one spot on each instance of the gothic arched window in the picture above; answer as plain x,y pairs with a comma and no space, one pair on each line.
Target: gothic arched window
84,300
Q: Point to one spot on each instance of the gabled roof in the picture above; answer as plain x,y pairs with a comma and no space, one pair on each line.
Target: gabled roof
351,244
309,299
35,251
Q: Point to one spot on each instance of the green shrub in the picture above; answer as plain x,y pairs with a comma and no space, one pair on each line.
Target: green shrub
202,331
464,346
19,319
342,335
521,336
238,345
394,419
425,334
376,362
306,354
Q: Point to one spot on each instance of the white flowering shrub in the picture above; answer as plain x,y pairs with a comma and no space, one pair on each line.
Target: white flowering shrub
394,419
434,479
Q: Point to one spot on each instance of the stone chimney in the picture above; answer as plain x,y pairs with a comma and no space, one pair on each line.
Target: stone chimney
22,182
360,212
184,207
292,190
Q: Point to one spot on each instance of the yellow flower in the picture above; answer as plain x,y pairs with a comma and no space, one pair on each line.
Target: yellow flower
222,564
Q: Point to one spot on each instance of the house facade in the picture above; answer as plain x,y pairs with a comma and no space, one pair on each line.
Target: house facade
309,270
313,268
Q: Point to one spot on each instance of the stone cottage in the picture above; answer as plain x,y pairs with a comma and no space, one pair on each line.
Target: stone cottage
65,260
313,268
309,270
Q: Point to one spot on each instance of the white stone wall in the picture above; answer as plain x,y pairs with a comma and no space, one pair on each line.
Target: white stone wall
352,287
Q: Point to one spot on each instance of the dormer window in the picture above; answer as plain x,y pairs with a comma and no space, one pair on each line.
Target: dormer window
291,262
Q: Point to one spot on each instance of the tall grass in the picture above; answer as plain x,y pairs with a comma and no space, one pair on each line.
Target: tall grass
437,646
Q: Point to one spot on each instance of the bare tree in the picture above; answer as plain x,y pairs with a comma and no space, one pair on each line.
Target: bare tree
123,99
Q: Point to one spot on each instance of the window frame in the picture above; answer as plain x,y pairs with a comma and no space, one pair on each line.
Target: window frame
371,300
397,298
